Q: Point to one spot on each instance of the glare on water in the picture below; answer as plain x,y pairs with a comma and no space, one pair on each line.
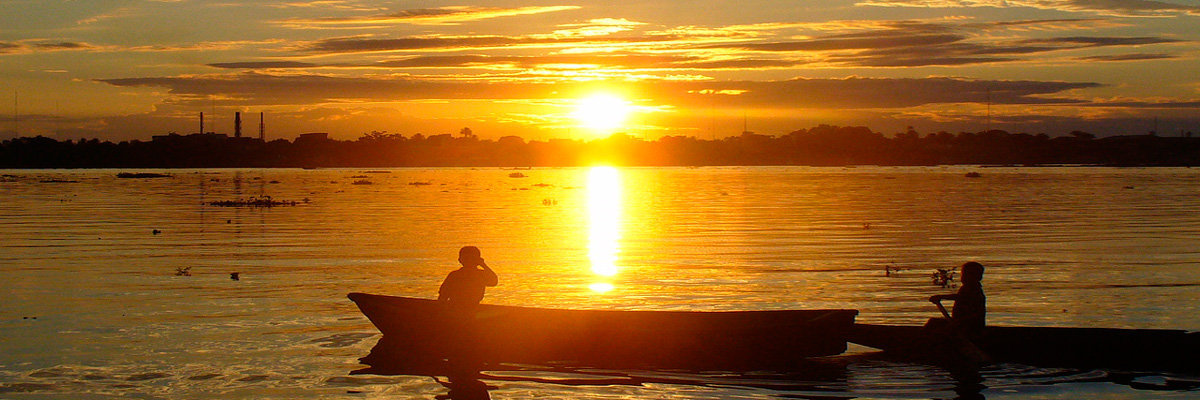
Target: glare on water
94,303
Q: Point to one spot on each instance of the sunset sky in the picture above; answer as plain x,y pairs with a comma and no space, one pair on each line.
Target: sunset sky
129,69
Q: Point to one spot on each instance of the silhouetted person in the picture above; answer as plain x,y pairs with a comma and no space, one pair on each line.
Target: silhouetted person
970,304
461,292
463,289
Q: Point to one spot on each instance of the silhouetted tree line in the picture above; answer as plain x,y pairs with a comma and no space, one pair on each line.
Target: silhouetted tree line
821,145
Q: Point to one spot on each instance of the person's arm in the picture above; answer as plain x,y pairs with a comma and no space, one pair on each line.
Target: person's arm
492,280
444,294
937,298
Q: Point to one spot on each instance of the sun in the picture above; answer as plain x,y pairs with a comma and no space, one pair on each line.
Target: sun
602,112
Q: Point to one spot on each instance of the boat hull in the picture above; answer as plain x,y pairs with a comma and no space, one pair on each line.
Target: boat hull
1143,349
419,329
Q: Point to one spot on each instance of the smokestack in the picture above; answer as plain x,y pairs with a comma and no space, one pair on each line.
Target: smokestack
237,124
262,128
202,122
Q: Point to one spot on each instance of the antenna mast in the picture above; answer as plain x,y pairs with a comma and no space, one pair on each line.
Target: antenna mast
16,123
988,126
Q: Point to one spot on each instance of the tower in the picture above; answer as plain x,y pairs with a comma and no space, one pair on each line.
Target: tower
237,124
262,127
202,122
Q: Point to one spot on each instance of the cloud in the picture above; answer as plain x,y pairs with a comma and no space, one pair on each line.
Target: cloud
423,16
1124,8
253,88
886,39
413,43
915,43
1128,57
42,46
263,65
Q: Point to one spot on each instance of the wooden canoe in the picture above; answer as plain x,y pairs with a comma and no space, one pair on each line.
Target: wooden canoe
1143,349
420,329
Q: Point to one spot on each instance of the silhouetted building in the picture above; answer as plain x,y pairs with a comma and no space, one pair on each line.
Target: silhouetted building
315,137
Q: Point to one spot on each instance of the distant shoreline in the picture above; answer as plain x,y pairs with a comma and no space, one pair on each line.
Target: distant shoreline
820,146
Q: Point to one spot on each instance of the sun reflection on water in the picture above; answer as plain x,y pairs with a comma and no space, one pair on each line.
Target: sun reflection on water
604,216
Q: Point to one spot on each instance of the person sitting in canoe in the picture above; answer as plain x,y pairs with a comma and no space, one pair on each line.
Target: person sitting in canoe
970,304
463,288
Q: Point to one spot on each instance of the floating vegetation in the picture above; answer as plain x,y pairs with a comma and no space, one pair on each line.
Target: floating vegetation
516,175
420,183
973,175
183,271
362,182
943,278
262,201
56,180
140,175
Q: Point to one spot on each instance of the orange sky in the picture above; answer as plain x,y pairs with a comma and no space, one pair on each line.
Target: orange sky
131,69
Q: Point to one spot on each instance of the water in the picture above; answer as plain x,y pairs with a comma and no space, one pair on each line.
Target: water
94,307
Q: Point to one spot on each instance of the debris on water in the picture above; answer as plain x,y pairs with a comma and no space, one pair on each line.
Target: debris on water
549,202
147,376
183,271
516,175
358,176
523,189
261,201
142,175
273,182
866,225
229,221
943,278
237,276
155,232
891,271
420,183
28,317
1129,187
973,175
362,182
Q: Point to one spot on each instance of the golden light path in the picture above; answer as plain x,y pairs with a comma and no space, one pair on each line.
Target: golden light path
604,216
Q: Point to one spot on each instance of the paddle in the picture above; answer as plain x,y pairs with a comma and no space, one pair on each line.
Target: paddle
942,309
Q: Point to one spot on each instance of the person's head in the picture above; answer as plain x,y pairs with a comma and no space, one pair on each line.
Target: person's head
469,256
972,272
